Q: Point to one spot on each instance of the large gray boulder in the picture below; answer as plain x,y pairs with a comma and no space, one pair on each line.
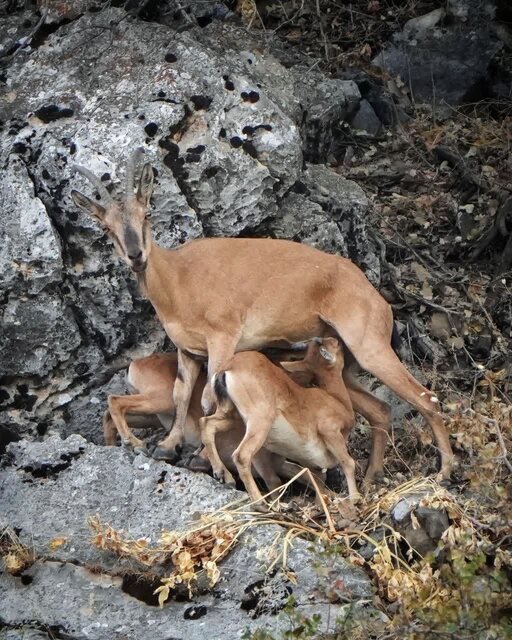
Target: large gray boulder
446,55
327,211
226,127
49,490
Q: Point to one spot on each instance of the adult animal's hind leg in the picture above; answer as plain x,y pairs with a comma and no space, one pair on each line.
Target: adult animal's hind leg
376,356
366,331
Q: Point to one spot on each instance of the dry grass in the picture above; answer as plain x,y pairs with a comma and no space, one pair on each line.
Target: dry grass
15,555
465,581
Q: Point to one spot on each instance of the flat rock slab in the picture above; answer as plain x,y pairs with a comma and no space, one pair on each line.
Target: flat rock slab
49,490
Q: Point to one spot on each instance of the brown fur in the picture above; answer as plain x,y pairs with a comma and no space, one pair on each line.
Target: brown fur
151,380
219,296
308,426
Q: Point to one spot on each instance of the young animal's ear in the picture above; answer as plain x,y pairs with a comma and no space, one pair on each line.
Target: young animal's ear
294,367
145,188
327,355
299,373
86,204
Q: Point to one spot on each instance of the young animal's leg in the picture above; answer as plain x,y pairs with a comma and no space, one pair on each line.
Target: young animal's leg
257,429
266,465
289,470
370,345
377,413
188,370
109,430
221,348
210,426
137,404
335,442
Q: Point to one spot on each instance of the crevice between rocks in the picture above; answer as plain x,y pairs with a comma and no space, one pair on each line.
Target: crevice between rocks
53,632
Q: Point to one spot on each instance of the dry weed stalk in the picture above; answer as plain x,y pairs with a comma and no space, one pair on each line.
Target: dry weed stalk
198,550
402,575
16,556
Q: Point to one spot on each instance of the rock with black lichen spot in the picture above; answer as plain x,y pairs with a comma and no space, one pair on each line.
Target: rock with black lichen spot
141,497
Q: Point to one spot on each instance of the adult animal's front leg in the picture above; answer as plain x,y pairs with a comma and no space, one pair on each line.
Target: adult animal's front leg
188,370
221,348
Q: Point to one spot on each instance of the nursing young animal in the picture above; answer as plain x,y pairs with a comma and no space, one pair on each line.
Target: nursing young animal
151,380
218,296
309,426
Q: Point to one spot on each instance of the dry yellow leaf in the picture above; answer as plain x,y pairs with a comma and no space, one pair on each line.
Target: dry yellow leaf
57,542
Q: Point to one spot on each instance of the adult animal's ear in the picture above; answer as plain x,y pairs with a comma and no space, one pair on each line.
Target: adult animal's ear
145,188
86,204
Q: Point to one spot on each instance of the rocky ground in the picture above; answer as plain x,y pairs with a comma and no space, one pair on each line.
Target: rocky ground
377,131
74,589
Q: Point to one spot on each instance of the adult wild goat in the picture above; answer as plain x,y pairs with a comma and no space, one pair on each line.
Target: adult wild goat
217,296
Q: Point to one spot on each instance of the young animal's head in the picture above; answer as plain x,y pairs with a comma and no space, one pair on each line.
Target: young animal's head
322,356
125,222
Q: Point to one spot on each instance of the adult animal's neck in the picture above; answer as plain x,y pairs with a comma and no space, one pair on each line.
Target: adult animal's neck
158,282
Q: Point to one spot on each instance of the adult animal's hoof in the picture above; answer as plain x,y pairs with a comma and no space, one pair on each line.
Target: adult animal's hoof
376,479
356,498
260,506
167,455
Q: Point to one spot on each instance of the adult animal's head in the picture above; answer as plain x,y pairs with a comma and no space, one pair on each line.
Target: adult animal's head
126,222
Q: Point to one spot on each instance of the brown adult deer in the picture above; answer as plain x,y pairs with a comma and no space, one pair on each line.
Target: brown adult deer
309,426
217,296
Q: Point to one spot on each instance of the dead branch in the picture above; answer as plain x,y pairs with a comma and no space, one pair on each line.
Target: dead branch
24,42
460,165
499,228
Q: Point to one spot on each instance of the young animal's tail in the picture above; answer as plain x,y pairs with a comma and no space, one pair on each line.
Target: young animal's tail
220,389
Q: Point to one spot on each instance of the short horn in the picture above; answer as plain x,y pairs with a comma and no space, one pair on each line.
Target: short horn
102,190
130,171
